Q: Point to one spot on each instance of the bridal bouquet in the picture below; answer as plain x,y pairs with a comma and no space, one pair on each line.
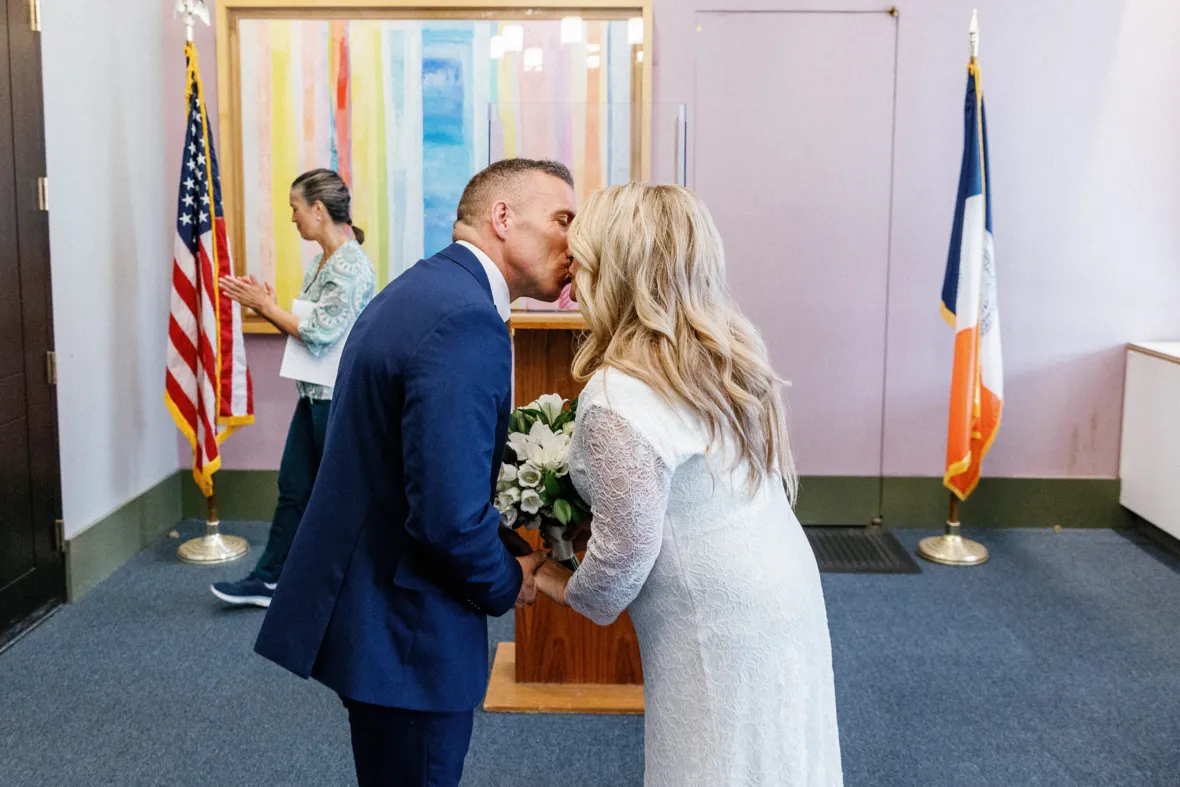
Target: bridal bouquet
534,489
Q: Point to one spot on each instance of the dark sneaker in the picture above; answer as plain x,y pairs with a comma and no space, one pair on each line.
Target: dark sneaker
245,592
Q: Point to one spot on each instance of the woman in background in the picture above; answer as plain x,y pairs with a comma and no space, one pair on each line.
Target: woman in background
340,282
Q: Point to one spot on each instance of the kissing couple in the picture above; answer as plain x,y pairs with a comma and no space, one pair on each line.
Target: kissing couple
680,449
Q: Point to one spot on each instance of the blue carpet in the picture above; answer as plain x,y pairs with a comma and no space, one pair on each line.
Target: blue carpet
1057,663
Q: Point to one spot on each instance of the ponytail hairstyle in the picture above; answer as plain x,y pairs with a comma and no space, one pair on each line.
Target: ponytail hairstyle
326,186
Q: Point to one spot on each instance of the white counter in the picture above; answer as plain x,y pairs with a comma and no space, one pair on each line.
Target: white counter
1149,461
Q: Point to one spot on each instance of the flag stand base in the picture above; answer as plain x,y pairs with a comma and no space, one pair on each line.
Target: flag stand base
952,549
213,548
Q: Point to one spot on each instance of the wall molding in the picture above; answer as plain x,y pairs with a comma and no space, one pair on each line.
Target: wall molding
101,549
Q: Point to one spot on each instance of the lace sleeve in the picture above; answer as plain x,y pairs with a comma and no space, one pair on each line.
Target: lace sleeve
627,483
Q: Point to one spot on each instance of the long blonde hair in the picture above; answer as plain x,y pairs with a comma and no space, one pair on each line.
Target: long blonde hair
651,285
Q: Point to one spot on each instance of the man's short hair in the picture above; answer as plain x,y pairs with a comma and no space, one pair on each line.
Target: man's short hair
480,191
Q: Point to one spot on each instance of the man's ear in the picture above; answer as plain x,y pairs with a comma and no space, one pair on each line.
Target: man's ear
501,217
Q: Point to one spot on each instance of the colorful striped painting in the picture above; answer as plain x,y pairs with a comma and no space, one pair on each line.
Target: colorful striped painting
407,111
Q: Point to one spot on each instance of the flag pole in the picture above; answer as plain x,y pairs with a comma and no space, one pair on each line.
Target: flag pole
192,10
213,548
951,548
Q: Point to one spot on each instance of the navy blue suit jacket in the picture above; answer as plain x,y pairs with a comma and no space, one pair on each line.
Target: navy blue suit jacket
397,561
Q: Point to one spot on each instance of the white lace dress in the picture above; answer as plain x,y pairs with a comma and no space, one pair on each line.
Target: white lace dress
724,592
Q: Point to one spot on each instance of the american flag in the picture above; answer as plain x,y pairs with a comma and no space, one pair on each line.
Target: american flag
208,388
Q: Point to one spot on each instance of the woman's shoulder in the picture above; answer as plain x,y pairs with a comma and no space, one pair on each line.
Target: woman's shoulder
621,391
350,261
662,420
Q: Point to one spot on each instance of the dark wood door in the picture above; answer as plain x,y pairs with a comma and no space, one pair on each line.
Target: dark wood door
32,573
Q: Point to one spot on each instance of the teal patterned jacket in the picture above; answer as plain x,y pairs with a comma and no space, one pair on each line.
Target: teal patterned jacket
340,291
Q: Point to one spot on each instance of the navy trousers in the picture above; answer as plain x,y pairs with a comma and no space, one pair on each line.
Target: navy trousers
394,747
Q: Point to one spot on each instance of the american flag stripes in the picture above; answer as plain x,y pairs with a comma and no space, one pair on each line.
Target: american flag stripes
208,388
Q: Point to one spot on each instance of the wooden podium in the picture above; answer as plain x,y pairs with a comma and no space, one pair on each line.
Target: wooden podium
560,662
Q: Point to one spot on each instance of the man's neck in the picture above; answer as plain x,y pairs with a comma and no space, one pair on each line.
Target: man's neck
494,253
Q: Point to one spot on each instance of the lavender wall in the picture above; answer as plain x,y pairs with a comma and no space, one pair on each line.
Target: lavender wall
1085,181
1085,184
801,197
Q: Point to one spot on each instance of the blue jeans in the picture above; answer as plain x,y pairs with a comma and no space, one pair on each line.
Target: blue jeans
297,471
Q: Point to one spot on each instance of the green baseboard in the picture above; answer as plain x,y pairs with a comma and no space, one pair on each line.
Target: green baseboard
827,500
100,550
837,500
241,494
996,502
250,495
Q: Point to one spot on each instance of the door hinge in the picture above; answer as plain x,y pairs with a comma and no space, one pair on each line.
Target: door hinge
51,367
35,15
43,193
59,535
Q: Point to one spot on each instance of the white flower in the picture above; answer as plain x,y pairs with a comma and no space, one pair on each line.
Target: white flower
508,518
508,499
530,501
550,405
521,444
547,450
507,479
568,429
528,477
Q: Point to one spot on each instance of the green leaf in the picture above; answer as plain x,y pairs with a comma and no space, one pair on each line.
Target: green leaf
552,486
563,512
580,504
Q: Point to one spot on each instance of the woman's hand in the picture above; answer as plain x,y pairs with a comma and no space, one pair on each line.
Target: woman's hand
551,579
260,297
249,292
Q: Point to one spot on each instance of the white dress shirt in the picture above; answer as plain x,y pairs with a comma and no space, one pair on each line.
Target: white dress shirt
500,294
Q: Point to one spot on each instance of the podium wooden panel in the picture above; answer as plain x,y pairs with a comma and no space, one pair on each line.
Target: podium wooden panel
559,656
557,645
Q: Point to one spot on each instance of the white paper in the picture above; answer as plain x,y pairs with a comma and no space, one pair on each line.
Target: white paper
299,364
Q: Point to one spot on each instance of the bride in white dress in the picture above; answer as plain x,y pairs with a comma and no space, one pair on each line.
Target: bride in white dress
681,450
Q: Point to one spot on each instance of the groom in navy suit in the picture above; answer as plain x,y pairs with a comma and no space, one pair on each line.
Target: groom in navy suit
397,563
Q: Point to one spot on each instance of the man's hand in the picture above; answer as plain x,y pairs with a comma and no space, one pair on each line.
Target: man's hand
528,588
552,579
